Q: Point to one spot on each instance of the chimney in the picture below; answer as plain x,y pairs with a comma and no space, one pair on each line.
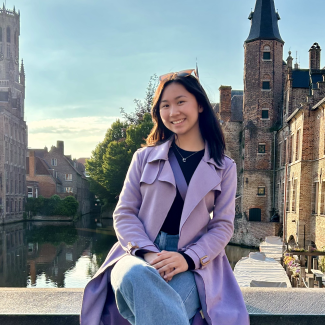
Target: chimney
32,163
225,103
314,57
60,146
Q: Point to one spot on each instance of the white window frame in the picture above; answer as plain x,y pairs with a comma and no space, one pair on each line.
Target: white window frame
68,177
54,162
261,143
262,186
28,193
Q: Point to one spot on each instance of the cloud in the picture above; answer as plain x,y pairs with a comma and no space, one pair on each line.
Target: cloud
80,134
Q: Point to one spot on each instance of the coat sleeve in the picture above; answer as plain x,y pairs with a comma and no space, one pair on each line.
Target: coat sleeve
221,226
128,227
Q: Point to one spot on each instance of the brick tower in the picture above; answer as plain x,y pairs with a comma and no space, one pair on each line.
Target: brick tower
13,129
263,89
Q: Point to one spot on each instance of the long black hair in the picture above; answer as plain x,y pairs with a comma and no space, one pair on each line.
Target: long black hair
209,125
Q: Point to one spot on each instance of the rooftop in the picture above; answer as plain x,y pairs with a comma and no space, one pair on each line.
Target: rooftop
264,22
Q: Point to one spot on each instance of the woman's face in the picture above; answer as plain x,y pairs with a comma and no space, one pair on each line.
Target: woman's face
179,109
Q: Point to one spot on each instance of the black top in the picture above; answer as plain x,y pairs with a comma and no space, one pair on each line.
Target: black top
264,22
173,219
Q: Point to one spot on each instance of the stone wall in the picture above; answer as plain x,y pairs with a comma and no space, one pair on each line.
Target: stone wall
251,233
232,132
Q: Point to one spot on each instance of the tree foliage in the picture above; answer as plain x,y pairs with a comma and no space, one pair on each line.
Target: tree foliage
53,206
142,107
111,158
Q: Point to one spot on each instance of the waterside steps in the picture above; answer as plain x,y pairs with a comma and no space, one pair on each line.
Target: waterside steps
60,306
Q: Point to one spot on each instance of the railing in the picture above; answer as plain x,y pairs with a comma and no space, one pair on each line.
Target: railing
62,306
9,12
311,276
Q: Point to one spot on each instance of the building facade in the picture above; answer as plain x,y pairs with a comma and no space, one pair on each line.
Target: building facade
13,129
40,178
278,138
52,172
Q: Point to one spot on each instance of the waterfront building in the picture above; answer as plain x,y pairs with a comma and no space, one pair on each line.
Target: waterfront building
40,178
13,129
276,138
52,172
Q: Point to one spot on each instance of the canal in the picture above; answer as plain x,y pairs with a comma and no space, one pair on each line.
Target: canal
49,254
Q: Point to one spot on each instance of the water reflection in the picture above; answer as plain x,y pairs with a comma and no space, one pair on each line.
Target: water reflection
235,253
61,254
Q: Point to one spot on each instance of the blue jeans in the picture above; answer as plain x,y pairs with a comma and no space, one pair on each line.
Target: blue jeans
143,297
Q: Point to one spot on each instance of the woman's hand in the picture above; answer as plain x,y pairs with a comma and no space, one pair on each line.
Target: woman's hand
169,264
149,257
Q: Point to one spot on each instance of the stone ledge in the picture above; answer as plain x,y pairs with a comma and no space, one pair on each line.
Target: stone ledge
266,306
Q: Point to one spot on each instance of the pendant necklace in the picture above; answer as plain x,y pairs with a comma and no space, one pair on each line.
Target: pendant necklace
184,159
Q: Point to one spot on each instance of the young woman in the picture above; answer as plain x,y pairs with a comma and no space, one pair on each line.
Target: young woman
173,220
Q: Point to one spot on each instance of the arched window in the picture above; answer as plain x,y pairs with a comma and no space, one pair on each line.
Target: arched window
266,53
266,82
8,35
265,113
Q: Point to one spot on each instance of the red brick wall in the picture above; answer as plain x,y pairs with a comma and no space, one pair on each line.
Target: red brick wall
258,168
46,185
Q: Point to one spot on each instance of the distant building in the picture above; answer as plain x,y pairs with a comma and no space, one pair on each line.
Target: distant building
274,131
40,178
82,166
53,172
13,129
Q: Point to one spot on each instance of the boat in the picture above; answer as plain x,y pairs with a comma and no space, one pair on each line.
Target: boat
273,247
258,270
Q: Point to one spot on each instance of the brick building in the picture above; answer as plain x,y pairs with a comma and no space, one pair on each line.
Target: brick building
53,172
276,136
13,129
40,178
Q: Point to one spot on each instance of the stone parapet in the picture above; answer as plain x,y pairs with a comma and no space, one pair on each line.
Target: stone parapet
62,306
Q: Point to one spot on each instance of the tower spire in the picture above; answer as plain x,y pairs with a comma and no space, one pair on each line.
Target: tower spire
264,22
22,68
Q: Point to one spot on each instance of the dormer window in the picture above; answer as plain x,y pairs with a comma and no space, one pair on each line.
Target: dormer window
266,53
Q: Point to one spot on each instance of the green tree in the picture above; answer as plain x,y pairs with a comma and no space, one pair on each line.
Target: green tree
69,206
136,134
111,158
119,154
94,165
142,107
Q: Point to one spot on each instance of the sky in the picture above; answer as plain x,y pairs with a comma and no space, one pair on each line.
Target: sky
86,59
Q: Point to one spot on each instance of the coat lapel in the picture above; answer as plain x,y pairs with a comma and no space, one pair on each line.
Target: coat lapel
161,153
204,179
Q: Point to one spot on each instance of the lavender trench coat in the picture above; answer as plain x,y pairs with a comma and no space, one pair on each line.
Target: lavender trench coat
147,195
